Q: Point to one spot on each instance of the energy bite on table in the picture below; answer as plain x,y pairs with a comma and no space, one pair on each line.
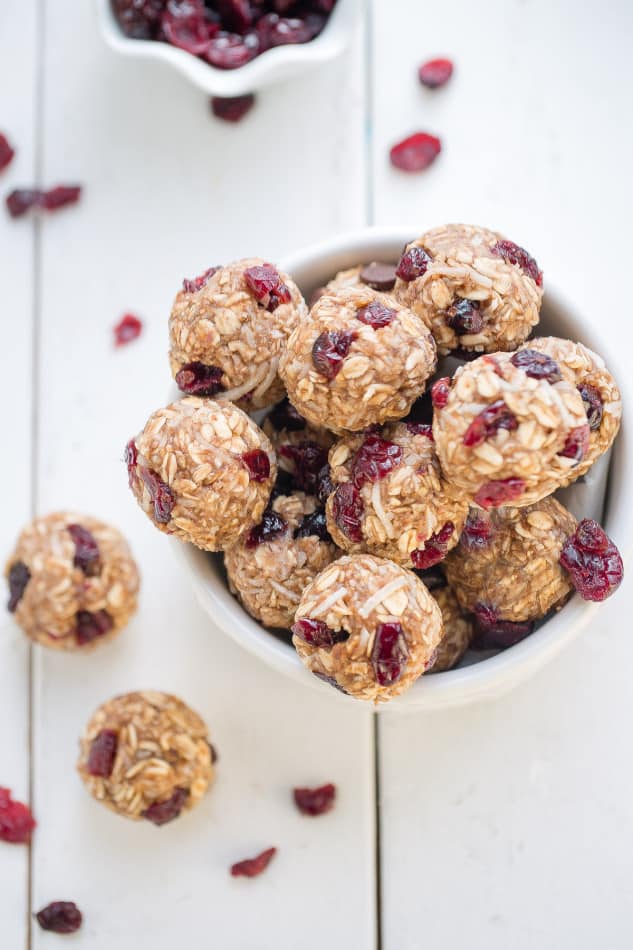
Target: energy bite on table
367,627
73,582
228,328
474,289
509,430
360,358
458,631
146,755
202,471
390,496
301,448
270,568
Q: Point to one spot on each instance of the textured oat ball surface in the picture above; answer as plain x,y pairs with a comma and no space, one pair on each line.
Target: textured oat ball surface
73,582
474,289
377,274
508,561
271,567
146,755
202,471
360,358
391,497
226,335
301,448
505,436
458,631
368,627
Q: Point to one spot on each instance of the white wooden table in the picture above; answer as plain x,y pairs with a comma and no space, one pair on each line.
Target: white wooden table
506,824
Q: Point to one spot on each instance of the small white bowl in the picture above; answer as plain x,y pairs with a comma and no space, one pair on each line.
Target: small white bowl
488,677
279,63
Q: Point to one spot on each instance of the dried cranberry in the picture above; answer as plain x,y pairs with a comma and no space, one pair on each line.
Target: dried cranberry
199,379
375,459
230,50
413,264
59,197
162,497
537,365
139,19
20,201
6,152
389,654
92,625
185,25
435,549
258,464
313,525
514,254
378,276
317,633
494,634
103,753
16,821
251,867
488,422
440,392
274,30
421,428
576,444
315,801
376,315
232,108
495,493
190,286
19,576
285,416
130,458
330,349
267,286
477,532
416,152
60,917
86,550
347,509
593,561
464,316
435,73
236,15
271,527
159,813
594,406
309,458
127,329
324,484
330,680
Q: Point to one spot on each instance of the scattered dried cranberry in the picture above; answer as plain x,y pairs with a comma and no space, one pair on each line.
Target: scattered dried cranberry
514,254
488,422
435,549
440,392
92,625
60,917
163,499
274,30
251,867
329,680
103,753
19,576
199,379
477,532
375,459
309,458
16,821
6,152
139,19
22,200
190,286
185,25
161,812
497,492
258,464
314,525
324,484
267,286
378,276
271,527
494,634
127,329
315,801
376,315
576,444
421,428
330,349
230,50
413,264
389,654
593,405
87,557
435,73
317,633
464,316
537,365
285,416
416,152
593,561
232,108
130,457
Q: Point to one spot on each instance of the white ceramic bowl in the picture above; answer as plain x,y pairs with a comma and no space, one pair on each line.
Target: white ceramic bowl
488,677
279,63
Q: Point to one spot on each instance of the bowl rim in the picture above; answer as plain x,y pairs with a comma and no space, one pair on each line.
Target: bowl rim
490,677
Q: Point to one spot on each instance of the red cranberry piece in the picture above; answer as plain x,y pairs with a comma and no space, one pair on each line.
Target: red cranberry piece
593,405
274,30
477,532
159,813
130,457
16,821
197,283
252,867
285,416
421,428
494,634
593,561
576,444
127,329
258,464
198,379
60,917
376,315
139,19
416,152
21,200
19,576
313,525
378,276
230,50
464,316
324,484
440,392
389,654
267,286
59,197
163,499
435,549
232,108
309,458
330,681
317,633
271,527
495,493
184,25
6,152
330,349
514,254
92,625
488,422
375,459
236,15
86,550
435,73
315,801
347,509
537,365
103,753
413,264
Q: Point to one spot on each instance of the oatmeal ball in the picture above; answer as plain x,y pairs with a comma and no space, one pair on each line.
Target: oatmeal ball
507,430
506,566
301,448
228,328
146,755
360,358
377,275
367,627
458,631
391,499
474,289
73,582
585,370
271,567
201,471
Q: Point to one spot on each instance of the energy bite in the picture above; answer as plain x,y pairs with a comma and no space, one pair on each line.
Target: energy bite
270,568
474,289
458,631
202,471
301,448
228,328
73,582
390,496
367,627
360,358
507,430
146,755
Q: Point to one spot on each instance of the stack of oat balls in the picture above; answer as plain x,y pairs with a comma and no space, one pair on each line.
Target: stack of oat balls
389,515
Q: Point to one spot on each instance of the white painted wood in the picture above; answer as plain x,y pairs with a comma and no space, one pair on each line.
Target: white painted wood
509,824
